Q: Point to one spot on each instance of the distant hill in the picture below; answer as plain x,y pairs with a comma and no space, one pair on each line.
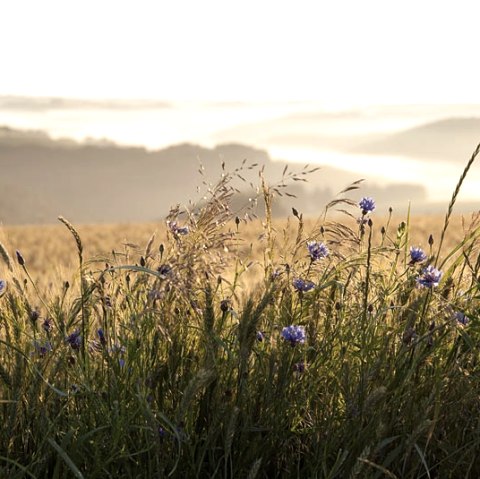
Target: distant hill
451,139
42,178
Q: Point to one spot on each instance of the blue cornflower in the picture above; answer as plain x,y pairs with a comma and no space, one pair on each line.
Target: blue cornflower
165,270
3,286
430,277
461,318
101,337
317,250
275,274
367,205
260,336
184,230
42,349
75,340
303,285
299,367
47,325
417,255
294,334
178,230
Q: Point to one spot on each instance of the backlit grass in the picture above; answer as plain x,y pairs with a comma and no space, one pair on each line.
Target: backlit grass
228,350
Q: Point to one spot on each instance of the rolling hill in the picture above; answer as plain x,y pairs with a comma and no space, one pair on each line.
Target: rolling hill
451,139
91,182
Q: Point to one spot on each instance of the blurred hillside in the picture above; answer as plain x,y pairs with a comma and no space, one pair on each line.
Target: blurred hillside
450,139
99,181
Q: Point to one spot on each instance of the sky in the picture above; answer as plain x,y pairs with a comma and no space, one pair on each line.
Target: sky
342,53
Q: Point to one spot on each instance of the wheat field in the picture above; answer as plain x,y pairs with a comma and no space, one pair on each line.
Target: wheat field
52,257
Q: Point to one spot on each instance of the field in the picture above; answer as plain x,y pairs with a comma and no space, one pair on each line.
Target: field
329,347
52,256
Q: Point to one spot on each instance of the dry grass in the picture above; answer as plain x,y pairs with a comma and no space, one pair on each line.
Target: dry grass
51,255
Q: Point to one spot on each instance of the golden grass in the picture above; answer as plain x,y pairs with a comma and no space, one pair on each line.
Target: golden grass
51,256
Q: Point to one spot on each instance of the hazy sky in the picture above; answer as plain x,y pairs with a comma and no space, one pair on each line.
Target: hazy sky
339,52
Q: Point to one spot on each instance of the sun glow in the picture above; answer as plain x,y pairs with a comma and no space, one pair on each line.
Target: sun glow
341,53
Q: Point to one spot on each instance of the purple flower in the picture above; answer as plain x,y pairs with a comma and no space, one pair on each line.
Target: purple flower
184,230
47,325
417,255
461,318
275,274
177,230
303,285
299,367
317,250
294,334
42,349
430,277
260,336
367,205
75,340
101,337
3,287
165,270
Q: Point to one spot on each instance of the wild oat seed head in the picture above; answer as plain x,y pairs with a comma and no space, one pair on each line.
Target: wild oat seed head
20,258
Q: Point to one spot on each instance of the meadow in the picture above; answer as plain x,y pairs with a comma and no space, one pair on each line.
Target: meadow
344,346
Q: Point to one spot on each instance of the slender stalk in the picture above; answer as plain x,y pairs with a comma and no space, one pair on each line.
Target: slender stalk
454,199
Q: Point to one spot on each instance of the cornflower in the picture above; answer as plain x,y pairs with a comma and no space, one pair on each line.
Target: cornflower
178,230
294,334
367,205
42,349
101,337
317,250
260,336
47,325
417,255
430,277
461,318
75,340
303,285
